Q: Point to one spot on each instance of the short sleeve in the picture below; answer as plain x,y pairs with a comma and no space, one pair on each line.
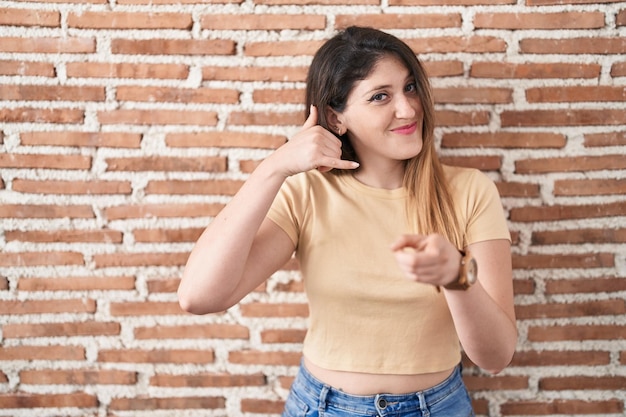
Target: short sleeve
479,207
288,208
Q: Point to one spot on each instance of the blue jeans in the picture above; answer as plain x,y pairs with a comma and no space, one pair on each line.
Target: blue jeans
310,397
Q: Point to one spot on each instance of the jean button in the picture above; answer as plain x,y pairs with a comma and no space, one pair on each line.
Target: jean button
382,403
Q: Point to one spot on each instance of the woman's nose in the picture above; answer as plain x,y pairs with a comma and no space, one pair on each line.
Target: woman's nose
405,108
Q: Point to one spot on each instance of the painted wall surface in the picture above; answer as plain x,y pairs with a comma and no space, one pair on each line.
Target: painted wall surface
125,125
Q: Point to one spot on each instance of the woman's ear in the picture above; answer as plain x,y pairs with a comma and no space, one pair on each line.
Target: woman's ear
335,121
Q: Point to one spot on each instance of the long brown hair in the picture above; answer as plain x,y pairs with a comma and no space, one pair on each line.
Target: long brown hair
350,56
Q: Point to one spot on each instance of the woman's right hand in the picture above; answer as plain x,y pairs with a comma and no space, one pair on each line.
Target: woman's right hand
313,147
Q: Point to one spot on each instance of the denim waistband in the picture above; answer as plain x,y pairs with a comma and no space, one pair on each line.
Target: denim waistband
380,404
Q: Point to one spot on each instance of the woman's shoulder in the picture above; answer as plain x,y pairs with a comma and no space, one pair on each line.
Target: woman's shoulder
465,177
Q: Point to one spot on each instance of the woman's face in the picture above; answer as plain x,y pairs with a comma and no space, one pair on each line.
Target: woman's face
383,116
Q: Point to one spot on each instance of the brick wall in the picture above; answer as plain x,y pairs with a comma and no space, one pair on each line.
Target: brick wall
125,125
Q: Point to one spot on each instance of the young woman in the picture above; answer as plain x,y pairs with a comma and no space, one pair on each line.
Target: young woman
404,260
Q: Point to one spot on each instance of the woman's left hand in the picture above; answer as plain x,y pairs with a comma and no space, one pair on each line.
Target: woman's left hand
430,259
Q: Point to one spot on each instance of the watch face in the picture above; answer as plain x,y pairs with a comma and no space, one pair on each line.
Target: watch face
472,270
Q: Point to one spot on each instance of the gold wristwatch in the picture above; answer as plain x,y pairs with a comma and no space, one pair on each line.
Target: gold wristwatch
468,273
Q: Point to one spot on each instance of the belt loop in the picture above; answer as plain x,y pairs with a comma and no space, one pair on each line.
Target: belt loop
423,405
322,399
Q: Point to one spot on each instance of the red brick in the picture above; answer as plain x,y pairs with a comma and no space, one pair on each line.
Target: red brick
156,356
517,189
44,161
167,403
68,236
557,70
161,210
400,21
227,139
152,46
76,284
570,164
263,22
206,380
579,382
82,139
491,383
509,140
448,2
178,95
30,400
284,48
168,235
585,285
560,358
450,44
575,94
44,211
605,139
51,93
566,407
87,328
620,19
48,45
576,332
559,20
210,187
278,74
461,118
48,306
577,46
581,309
618,69
578,236
192,331
147,308
23,259
294,96
158,117
470,95
265,118
26,68
524,286
283,336
78,377
558,212
539,261
128,20
443,68
589,187
48,353
29,17
36,115
483,163
558,2
177,2
529,118
126,70
325,2
72,187
168,163
162,285
122,259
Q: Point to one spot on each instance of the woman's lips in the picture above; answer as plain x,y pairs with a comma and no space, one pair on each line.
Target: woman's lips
405,130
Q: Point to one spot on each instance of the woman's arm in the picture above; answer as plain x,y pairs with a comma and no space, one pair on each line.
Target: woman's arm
241,247
484,314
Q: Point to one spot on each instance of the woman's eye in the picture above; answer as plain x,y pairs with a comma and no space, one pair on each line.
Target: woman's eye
378,97
410,88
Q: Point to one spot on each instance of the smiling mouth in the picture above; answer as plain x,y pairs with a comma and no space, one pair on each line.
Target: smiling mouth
405,130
